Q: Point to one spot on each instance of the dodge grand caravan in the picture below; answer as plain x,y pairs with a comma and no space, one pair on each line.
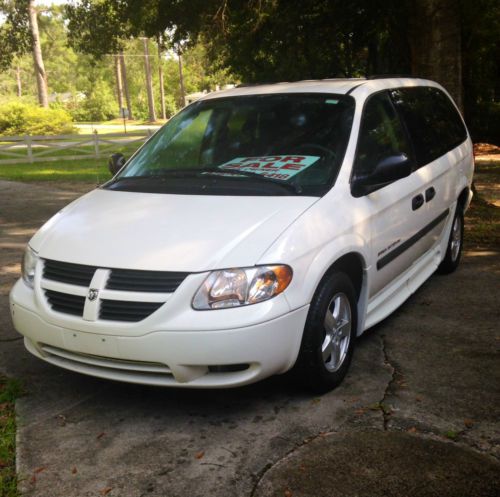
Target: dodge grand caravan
261,229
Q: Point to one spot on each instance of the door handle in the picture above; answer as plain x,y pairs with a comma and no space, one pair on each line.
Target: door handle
417,202
430,193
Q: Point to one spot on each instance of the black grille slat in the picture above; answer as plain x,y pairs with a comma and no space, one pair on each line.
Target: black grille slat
130,280
65,272
66,303
121,310
144,281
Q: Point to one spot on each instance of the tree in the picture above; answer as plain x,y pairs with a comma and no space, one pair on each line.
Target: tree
149,81
435,41
159,42
119,86
18,34
125,84
41,76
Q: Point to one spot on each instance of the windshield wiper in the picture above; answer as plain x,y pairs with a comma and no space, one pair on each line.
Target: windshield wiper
218,173
290,186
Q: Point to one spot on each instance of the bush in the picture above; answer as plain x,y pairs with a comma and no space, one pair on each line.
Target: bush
99,105
29,119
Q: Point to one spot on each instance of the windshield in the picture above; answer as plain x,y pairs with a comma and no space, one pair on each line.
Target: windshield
284,144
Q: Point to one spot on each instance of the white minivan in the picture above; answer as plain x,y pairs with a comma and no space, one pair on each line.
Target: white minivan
262,229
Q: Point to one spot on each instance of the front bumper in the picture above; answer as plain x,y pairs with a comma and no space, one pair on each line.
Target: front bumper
196,359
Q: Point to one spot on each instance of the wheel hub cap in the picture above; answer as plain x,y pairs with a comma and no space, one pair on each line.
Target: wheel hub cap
456,238
337,326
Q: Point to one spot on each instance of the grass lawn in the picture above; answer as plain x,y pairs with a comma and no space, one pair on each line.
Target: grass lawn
9,391
88,170
115,126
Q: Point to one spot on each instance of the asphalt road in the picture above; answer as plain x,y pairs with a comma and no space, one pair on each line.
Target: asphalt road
417,415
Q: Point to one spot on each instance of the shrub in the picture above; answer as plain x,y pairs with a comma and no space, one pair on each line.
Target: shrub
28,119
99,105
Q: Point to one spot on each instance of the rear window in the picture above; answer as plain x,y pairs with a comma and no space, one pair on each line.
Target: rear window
433,122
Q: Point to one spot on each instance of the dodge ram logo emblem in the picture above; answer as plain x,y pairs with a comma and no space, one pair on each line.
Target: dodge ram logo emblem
93,293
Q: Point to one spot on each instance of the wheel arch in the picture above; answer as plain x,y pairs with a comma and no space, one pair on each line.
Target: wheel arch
353,264
464,198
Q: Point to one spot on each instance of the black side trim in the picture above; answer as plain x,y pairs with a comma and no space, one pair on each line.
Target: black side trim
411,241
354,87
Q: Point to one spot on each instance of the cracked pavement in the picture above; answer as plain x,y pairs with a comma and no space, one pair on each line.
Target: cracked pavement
417,414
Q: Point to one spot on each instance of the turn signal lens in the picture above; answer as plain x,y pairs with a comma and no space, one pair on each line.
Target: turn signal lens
30,260
242,286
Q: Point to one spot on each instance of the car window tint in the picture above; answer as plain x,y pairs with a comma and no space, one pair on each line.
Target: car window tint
433,122
381,135
299,138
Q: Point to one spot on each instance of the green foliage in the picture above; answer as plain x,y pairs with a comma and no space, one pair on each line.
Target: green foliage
27,119
15,38
9,390
99,105
170,106
95,27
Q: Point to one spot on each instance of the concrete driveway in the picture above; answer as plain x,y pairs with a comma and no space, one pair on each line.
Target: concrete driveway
417,415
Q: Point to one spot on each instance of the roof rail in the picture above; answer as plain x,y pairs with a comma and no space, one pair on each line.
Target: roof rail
384,76
245,85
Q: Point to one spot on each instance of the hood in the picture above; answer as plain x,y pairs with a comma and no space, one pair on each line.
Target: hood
166,232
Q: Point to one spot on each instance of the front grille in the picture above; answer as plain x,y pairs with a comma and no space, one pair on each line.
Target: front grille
64,302
120,310
144,281
65,272
125,280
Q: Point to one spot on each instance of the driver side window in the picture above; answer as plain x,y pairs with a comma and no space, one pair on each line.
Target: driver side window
381,135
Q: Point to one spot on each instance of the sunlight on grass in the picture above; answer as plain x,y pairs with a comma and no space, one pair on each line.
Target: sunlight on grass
84,170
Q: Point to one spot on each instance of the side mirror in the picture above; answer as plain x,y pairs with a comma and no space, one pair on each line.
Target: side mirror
116,162
386,171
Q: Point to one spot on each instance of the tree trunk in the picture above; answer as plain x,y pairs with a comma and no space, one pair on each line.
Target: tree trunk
41,76
119,89
160,77
149,82
181,81
125,85
435,44
18,82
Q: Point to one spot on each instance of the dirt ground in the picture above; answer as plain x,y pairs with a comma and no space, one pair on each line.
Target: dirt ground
417,414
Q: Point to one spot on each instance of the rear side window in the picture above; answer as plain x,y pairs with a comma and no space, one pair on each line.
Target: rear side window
432,120
381,135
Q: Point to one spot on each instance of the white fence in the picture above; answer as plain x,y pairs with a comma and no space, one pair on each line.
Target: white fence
21,149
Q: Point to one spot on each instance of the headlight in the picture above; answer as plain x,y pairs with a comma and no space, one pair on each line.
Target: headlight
30,259
243,286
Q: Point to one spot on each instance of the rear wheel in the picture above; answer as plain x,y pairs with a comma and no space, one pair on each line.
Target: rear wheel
329,334
454,249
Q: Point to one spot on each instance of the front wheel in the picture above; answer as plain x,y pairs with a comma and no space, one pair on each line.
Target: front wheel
454,248
329,334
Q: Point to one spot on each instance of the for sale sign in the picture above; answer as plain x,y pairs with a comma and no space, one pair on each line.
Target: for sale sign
281,167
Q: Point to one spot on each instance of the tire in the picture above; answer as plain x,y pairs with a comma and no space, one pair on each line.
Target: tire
335,300
455,242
